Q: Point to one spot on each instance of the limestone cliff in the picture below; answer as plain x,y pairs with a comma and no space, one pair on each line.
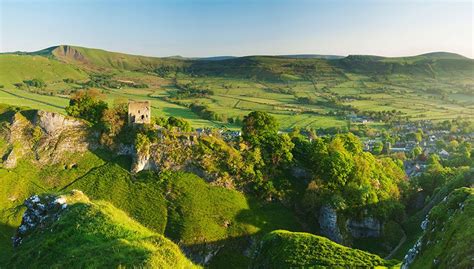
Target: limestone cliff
45,136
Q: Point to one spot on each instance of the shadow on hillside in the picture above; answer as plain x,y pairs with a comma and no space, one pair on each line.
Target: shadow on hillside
238,251
124,161
177,111
6,249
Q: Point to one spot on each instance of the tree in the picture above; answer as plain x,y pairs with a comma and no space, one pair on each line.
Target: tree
378,147
258,126
417,151
113,122
350,179
260,132
183,125
86,105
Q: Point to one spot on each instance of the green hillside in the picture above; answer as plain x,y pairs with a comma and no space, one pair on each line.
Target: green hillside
443,243
306,92
96,58
283,249
17,68
102,236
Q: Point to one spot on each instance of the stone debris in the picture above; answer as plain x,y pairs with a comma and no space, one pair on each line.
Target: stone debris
40,213
424,224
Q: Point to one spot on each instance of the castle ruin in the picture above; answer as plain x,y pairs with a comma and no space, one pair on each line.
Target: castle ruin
139,112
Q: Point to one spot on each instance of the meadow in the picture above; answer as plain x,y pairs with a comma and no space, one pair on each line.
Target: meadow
300,93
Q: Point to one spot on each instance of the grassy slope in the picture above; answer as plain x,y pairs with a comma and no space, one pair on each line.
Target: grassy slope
241,84
412,225
448,234
193,213
102,236
16,68
283,249
181,206
106,59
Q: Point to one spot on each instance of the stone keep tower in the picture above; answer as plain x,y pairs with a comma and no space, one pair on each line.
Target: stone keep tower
139,112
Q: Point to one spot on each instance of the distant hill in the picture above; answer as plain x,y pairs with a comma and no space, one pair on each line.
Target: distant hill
18,67
312,56
97,58
269,68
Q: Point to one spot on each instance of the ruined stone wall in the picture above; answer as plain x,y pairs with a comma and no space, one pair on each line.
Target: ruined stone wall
139,112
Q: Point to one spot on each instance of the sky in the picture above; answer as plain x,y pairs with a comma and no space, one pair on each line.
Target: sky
241,27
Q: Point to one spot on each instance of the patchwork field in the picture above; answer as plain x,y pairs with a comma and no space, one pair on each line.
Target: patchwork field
305,93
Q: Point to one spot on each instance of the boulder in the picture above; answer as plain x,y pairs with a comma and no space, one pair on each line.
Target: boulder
367,227
328,223
10,160
52,122
40,211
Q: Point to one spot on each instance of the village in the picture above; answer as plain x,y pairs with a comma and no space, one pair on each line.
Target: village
413,142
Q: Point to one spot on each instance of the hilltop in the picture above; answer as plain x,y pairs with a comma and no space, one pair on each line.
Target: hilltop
306,91
69,230
283,249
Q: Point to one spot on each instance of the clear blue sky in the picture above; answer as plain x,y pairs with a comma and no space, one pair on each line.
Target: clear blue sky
240,27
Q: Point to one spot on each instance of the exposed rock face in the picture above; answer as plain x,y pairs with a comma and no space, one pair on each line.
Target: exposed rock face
40,212
68,53
170,153
61,134
202,254
46,137
367,227
412,252
142,162
328,223
10,159
53,123
125,150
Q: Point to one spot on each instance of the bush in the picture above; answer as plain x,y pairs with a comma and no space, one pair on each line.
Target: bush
87,105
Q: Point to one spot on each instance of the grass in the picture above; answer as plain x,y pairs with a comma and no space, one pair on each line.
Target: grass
245,84
16,68
445,243
283,249
102,236
180,206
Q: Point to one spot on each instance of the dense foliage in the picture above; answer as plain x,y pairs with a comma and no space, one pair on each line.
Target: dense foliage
87,105
349,179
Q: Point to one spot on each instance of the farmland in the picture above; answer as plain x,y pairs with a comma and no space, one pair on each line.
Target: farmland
298,92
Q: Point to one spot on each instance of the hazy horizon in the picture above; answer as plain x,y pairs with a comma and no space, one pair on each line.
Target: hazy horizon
210,28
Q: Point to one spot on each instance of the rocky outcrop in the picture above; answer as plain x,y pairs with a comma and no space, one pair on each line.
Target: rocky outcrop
41,212
413,252
169,153
69,53
142,161
53,123
10,159
202,254
46,136
61,134
328,223
367,227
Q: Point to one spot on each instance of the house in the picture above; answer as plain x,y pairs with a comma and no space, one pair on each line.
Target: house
139,112
443,154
